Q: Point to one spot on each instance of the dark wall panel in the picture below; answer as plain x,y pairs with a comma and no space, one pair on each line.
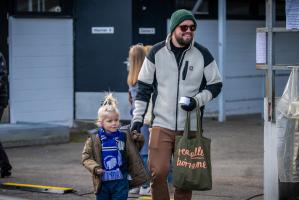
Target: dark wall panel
99,57
4,28
151,13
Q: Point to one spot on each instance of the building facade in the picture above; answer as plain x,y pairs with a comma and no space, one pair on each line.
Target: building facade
64,55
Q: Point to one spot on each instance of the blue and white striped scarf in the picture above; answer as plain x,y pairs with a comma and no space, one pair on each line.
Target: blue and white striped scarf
112,146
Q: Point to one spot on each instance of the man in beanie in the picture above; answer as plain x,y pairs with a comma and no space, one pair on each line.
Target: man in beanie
175,68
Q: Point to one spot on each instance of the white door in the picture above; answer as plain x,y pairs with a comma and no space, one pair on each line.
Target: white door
41,70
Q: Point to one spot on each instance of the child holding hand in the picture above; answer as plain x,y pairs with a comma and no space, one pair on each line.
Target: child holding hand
111,156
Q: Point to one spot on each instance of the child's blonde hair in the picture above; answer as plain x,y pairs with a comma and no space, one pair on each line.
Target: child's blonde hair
136,58
109,105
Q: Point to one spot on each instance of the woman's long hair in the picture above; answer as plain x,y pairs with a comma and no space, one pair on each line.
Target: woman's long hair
136,57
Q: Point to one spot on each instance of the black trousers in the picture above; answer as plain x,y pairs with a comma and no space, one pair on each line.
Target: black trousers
4,162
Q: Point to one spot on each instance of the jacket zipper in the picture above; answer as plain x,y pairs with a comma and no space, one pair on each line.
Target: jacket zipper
178,85
185,70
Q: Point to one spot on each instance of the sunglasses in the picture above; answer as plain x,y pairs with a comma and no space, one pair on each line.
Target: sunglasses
184,28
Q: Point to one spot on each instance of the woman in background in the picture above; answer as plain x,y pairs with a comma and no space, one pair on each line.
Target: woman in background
136,56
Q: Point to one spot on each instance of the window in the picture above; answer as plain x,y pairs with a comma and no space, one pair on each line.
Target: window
238,8
280,10
43,7
253,9
205,8
245,9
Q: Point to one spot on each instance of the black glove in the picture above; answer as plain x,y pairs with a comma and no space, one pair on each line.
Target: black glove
190,106
136,126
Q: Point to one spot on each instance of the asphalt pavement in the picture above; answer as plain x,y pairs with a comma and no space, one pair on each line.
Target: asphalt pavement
236,152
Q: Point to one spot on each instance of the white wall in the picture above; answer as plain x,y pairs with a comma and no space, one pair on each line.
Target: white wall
41,70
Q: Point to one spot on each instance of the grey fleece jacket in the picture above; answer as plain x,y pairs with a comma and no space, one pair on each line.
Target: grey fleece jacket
196,75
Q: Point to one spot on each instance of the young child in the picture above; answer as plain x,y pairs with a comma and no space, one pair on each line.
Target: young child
111,156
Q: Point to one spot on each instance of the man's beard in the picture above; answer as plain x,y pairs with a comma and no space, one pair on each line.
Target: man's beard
183,42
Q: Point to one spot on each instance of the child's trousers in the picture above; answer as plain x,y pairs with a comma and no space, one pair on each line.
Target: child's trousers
114,190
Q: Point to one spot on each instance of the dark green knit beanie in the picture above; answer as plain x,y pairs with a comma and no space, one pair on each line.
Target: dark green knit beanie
179,16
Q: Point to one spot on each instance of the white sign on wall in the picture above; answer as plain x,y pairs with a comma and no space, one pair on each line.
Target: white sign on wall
261,48
147,31
102,30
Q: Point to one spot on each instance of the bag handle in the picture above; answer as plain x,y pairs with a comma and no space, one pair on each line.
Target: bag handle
198,123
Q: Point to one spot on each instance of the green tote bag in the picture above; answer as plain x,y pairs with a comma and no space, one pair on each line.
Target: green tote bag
192,162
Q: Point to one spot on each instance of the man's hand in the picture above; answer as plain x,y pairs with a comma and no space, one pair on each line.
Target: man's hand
190,106
136,126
